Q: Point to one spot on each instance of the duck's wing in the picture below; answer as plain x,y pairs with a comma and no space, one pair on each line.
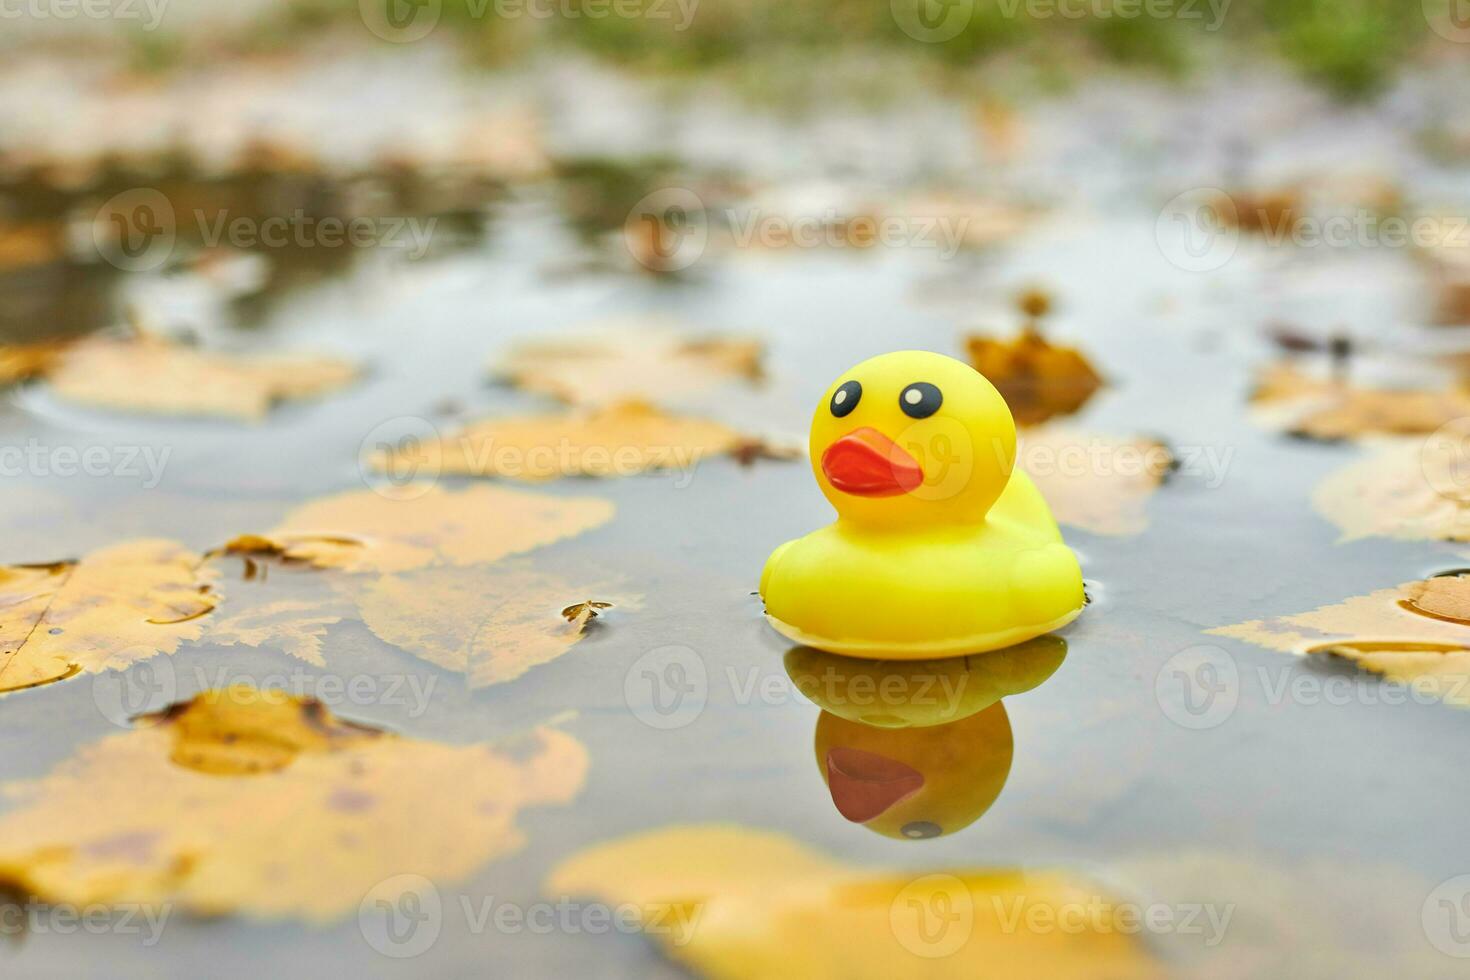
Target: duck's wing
1022,507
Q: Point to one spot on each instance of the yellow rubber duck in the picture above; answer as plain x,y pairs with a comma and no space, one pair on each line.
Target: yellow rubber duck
941,547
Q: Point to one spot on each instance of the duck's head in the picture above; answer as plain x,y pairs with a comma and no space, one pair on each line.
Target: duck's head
912,439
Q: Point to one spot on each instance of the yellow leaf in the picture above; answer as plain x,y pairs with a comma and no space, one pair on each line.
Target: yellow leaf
21,362
1414,633
1037,380
491,624
1404,489
115,607
621,362
1095,482
252,802
737,904
146,374
1328,410
361,531
623,440
293,626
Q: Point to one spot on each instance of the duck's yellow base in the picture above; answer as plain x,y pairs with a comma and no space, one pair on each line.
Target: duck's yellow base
952,647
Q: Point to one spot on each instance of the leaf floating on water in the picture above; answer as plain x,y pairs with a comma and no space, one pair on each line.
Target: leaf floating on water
1412,633
147,374
1409,489
622,362
362,531
584,610
266,805
22,362
1095,482
622,440
295,626
730,902
491,623
116,606
1328,410
1037,380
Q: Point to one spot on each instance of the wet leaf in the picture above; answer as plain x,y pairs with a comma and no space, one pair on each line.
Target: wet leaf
584,611
116,606
490,623
22,362
257,803
622,362
1095,482
1409,489
1037,380
621,440
1316,408
362,531
146,374
294,626
729,902
1414,633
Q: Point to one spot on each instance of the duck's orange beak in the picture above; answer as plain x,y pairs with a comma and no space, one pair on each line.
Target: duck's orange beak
866,463
864,784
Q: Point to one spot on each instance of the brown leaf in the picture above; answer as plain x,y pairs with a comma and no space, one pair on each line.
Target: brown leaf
116,606
1037,380
1314,408
621,362
490,623
253,802
1410,489
621,440
149,375
1411,633
1095,482
361,531
727,901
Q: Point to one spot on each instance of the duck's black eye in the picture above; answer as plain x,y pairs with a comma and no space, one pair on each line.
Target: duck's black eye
920,400
846,397
920,829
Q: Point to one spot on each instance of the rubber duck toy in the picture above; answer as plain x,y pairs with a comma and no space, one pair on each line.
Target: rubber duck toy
941,546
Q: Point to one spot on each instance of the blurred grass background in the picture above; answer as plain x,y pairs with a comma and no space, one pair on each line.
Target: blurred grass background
1352,47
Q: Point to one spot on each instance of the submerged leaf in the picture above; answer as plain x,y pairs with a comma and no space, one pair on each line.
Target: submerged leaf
1095,482
733,903
1037,380
1415,633
621,440
621,362
146,374
113,608
1329,410
491,623
252,802
361,531
1409,489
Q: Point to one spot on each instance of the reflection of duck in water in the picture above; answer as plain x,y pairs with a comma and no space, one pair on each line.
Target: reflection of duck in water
918,749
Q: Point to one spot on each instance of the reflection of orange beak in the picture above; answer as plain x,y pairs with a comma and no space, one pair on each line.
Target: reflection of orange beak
866,463
864,784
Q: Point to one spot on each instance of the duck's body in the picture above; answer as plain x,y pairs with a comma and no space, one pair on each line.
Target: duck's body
930,561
